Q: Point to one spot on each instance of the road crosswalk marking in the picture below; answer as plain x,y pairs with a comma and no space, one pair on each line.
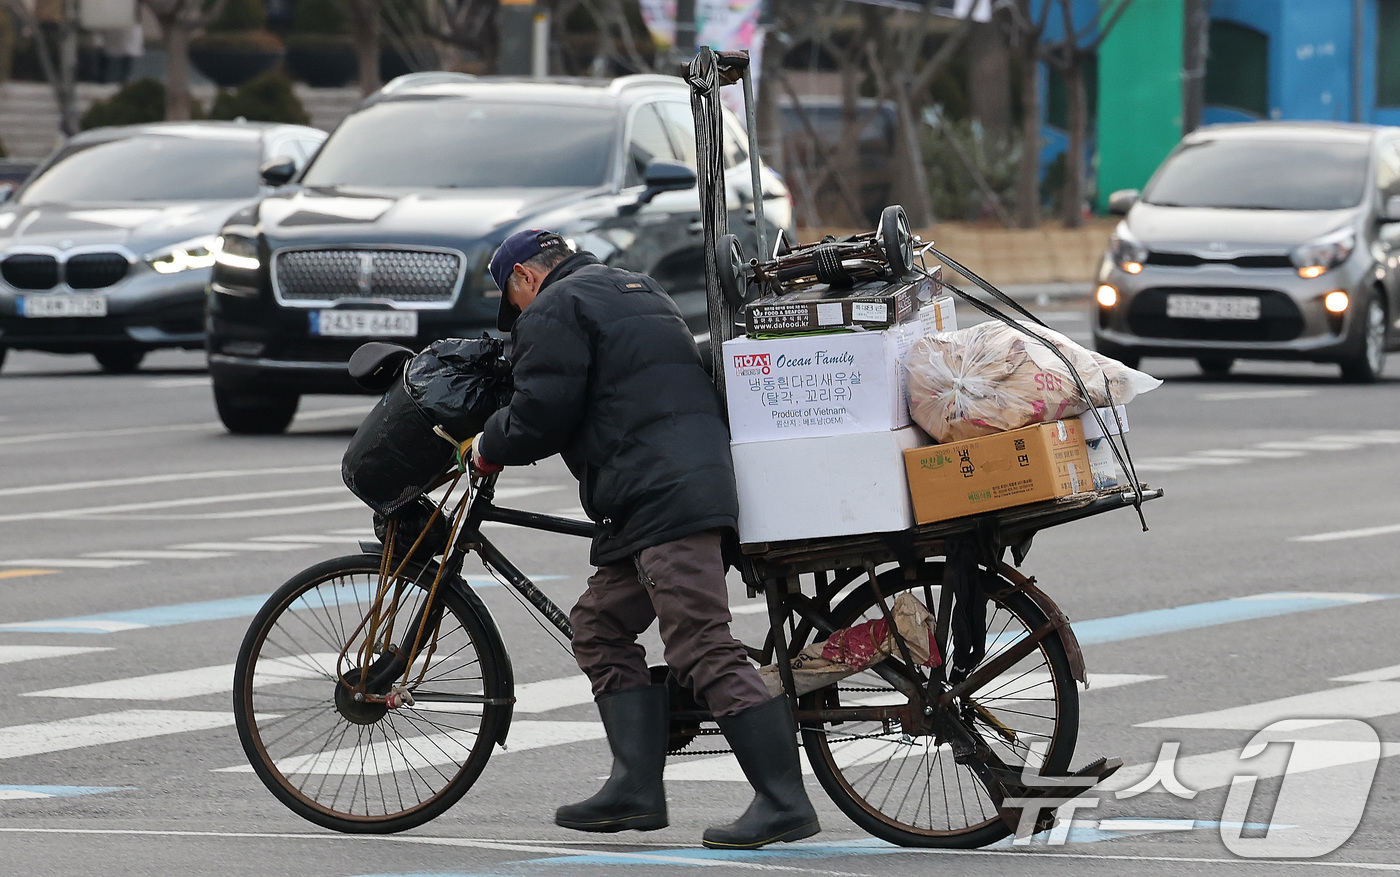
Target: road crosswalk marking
245,546
429,750
1214,770
1377,675
1279,449
18,741
72,562
195,683
157,554
1338,535
1367,700
15,654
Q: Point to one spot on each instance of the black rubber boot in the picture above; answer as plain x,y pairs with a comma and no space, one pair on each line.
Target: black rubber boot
765,742
637,723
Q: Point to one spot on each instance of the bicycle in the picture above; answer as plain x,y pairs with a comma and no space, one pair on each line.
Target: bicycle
370,689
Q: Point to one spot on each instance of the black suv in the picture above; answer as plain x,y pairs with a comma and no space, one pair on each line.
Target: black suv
388,231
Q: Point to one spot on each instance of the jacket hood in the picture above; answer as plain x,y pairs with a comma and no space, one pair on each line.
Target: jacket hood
140,226
1223,232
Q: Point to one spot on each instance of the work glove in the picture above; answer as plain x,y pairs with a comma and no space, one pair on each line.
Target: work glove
481,466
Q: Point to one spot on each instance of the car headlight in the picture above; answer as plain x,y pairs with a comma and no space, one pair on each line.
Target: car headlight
1127,251
1317,258
236,264
184,256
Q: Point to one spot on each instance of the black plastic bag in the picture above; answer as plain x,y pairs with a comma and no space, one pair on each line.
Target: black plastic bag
454,384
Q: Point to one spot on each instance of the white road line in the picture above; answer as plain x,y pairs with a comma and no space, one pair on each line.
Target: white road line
244,546
72,563
315,540
1308,445
1187,461
275,511
166,479
1378,675
1252,453
137,554
1363,438
1349,534
97,625
1215,770
1246,395
429,750
197,682
15,654
18,741
51,437
1367,700
552,694
184,502
171,383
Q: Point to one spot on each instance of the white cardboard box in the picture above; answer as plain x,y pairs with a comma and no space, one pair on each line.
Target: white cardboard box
807,488
818,385
1102,464
939,315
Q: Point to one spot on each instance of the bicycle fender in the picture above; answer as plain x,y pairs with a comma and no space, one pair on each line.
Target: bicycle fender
1053,612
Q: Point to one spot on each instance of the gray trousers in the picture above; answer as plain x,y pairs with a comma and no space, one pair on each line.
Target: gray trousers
681,584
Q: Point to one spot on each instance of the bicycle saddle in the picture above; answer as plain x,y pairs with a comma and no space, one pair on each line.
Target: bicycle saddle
375,364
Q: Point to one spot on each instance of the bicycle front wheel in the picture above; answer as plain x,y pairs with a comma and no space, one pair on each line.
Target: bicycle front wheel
904,785
363,766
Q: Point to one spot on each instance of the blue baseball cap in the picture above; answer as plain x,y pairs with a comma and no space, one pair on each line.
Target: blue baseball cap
514,250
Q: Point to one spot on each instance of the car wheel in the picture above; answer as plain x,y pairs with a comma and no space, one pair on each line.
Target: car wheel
1215,366
119,361
246,414
3,351
1368,363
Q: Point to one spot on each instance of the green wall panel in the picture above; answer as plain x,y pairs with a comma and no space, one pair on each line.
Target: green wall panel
1139,94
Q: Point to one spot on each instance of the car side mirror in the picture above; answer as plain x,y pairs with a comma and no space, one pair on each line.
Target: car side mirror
1391,214
7,190
1120,202
663,175
277,171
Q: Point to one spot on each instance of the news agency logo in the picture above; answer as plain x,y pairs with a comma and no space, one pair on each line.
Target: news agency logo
748,364
1326,767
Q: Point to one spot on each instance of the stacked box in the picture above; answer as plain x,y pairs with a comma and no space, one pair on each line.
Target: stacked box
997,471
823,309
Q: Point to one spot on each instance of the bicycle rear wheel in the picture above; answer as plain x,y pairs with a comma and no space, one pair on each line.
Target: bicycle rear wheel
905,786
361,766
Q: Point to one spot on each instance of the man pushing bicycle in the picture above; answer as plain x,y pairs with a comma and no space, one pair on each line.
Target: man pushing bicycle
608,376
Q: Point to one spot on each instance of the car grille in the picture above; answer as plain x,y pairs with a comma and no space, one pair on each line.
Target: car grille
30,271
1279,317
423,276
1189,260
95,270
80,271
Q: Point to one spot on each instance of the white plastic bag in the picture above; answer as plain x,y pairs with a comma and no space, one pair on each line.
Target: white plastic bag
992,377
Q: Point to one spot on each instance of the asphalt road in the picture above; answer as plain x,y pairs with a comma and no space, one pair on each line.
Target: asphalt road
137,538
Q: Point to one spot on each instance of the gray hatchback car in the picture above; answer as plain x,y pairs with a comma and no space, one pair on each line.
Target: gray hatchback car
1269,240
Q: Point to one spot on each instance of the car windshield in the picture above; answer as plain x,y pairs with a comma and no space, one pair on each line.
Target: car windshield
1263,175
149,167
468,144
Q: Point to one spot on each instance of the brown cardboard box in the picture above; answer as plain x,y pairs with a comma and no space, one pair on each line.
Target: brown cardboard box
1030,464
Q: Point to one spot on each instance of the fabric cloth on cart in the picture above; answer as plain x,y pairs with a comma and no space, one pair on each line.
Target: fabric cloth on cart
853,649
992,377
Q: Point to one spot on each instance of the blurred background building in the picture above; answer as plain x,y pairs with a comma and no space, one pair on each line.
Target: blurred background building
1007,113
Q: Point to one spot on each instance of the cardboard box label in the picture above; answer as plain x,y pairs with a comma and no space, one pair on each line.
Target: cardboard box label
818,385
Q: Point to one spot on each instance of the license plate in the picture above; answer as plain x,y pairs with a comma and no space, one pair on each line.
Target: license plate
365,323
1213,307
61,304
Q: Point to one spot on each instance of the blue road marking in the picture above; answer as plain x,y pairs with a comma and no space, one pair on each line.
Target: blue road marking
1196,615
179,613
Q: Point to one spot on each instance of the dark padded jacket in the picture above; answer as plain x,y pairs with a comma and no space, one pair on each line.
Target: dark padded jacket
608,375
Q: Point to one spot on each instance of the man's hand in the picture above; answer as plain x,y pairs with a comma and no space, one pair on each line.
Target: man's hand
481,466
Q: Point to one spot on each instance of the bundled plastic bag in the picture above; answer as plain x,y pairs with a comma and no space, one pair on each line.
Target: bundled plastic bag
453,385
992,377
853,649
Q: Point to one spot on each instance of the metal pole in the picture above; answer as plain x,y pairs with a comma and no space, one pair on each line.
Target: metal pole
685,29
755,162
1196,30
539,56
